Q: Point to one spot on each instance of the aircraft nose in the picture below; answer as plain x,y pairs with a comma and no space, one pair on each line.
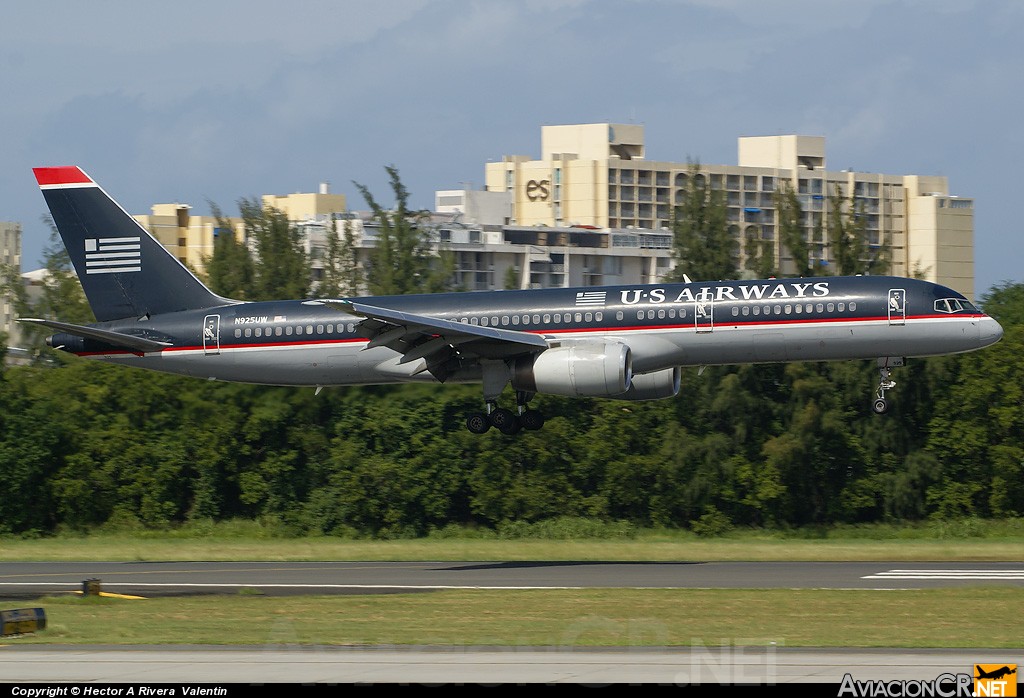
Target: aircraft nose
989,331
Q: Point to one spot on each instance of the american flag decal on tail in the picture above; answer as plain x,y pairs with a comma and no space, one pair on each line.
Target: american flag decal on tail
590,298
112,255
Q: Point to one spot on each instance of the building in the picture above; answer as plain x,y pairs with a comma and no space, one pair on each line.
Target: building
598,175
10,247
189,238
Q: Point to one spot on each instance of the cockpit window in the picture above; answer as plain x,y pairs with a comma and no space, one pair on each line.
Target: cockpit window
954,305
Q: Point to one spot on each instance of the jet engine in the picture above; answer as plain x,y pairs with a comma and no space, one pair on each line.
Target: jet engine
653,386
576,370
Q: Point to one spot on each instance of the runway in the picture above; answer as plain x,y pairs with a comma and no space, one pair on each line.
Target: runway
245,666
279,578
322,665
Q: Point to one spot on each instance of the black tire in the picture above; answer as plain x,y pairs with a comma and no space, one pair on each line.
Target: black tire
505,421
478,423
880,406
532,420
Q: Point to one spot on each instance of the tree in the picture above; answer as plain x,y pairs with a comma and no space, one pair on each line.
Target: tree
403,260
342,273
230,269
281,265
792,234
701,243
848,237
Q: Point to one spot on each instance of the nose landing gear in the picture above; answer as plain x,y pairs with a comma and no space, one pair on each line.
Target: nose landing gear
885,382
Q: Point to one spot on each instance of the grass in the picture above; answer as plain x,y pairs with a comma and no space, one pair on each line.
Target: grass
947,618
976,617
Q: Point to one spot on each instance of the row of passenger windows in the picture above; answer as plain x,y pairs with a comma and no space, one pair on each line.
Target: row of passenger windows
549,318
791,309
296,330
546,318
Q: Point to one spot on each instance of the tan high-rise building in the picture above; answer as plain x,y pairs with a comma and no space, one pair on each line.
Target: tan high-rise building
189,238
598,175
10,255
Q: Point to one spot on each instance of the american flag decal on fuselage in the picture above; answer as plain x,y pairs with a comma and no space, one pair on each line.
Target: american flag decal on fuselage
112,255
590,298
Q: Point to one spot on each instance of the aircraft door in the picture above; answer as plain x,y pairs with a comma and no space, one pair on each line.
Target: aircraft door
211,335
704,315
897,306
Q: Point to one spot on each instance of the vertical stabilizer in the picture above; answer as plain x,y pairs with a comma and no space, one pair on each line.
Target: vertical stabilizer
125,272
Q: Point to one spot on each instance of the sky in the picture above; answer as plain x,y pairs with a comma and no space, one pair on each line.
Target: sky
212,101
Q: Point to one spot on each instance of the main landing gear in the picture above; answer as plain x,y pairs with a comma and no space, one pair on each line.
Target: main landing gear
885,382
504,420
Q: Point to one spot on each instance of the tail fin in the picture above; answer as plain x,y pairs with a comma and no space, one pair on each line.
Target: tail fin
125,272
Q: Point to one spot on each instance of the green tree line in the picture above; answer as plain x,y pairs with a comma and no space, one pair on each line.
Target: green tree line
772,445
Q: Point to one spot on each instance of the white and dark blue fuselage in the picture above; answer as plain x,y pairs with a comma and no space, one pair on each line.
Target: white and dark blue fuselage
619,342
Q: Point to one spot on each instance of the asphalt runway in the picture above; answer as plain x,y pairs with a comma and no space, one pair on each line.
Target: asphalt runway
278,578
238,667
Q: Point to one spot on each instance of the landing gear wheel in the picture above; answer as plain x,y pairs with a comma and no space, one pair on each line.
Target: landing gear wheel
478,423
505,421
532,420
880,406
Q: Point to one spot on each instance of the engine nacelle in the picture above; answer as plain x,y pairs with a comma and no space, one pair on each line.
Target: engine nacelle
653,386
576,370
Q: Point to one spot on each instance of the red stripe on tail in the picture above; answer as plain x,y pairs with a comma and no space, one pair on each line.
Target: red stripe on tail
47,176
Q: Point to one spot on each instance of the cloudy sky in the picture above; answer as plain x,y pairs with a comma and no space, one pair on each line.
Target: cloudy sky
198,101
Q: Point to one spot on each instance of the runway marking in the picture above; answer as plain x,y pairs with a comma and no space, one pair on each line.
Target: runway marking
948,574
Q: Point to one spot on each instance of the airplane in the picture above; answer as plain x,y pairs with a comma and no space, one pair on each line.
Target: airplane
625,342
994,674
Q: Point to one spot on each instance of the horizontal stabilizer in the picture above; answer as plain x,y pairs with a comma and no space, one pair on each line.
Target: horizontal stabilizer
116,339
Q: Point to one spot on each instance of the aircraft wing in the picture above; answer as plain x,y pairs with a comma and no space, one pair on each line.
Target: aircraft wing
435,340
116,339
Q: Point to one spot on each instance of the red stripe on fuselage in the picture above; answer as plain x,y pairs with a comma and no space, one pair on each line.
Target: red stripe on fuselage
50,176
567,330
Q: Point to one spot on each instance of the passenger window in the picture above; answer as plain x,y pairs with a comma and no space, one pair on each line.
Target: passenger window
319,329
547,318
618,315
589,317
558,317
789,310
536,319
831,307
248,332
853,306
288,330
258,332
309,329
599,316
238,332
579,317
